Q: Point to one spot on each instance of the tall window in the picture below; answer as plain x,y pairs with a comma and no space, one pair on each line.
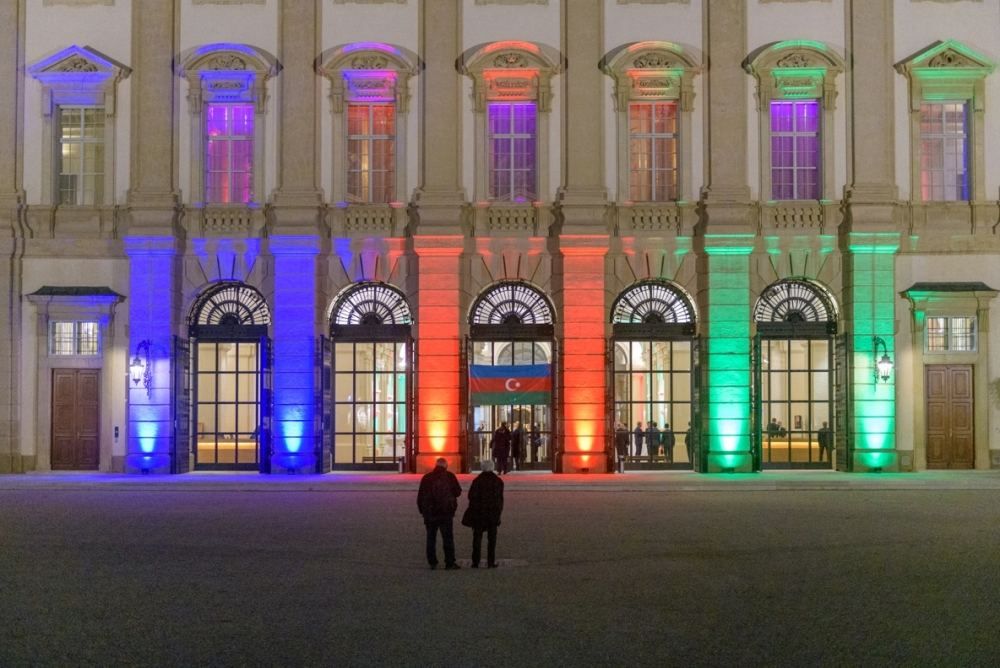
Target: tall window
371,153
795,149
944,149
653,140
229,153
81,155
512,135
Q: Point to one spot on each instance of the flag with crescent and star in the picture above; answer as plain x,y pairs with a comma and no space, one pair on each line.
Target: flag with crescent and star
510,384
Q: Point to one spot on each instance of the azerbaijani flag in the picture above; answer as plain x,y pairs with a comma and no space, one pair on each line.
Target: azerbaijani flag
510,384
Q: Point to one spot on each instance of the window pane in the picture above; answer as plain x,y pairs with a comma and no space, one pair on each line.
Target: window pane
944,151
229,153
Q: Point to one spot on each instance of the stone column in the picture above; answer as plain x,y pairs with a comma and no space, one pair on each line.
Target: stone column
724,246
437,214
11,230
582,221
872,237
297,203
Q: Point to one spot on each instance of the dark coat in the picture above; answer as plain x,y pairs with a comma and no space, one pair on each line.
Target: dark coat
485,501
517,443
500,443
437,498
621,441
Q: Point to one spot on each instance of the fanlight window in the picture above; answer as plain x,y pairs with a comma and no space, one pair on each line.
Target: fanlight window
652,302
372,303
232,304
512,303
794,301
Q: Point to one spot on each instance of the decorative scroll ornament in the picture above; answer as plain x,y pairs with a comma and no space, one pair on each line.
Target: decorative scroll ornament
76,64
510,59
951,58
226,61
652,60
369,62
794,60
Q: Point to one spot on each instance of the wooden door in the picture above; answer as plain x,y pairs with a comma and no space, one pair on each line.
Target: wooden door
75,419
950,440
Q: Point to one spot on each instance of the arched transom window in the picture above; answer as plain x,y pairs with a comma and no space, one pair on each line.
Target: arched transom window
371,303
512,303
794,301
231,304
652,302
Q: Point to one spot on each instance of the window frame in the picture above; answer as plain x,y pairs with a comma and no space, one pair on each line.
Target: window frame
76,338
83,142
797,70
949,336
652,138
230,141
653,72
796,168
369,140
510,137
949,72
943,136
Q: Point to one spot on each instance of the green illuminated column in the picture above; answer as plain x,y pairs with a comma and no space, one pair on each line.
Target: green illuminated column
870,285
726,418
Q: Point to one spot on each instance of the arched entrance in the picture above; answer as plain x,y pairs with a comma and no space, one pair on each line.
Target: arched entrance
510,359
655,374
367,383
231,390
793,379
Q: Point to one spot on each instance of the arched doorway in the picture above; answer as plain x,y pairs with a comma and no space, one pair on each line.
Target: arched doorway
655,374
370,394
793,379
510,359
231,390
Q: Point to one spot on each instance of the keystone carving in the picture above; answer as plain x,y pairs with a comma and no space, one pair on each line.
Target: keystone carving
227,61
369,62
794,60
77,64
510,60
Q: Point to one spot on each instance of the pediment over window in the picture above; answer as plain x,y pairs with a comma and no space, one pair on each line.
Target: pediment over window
511,71
78,75
946,70
795,69
228,72
368,72
652,70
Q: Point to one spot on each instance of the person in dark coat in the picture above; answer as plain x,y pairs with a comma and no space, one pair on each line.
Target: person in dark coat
825,441
500,447
483,514
536,443
668,440
652,440
437,501
517,446
639,435
621,441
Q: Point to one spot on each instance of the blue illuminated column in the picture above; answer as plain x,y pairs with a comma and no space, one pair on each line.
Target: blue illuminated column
726,422
293,332
869,283
153,267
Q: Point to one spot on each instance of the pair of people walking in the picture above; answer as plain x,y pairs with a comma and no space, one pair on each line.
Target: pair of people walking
437,501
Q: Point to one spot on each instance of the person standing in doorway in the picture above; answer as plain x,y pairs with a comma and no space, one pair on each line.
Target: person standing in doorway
638,435
621,444
668,440
689,444
517,447
536,443
824,438
437,501
652,441
500,447
483,514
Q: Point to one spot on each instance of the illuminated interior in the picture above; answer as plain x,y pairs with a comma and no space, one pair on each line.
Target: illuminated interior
227,405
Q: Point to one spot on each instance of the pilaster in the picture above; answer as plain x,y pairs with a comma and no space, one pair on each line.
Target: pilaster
438,318
11,230
293,352
439,202
582,331
153,197
152,315
724,303
297,203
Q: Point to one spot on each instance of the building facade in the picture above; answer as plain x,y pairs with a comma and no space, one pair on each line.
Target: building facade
304,235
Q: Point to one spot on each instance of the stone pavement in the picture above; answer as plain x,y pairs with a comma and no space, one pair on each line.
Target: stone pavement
780,568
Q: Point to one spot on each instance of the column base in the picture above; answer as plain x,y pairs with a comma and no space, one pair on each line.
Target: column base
292,463
729,462
427,461
147,464
17,463
589,462
875,461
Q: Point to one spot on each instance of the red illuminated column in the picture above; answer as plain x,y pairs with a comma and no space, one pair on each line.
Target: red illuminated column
438,421
582,404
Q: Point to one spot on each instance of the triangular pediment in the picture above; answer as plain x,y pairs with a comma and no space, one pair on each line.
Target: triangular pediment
947,55
75,61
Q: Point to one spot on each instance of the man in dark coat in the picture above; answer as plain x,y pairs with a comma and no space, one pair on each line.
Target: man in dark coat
621,441
500,447
536,443
652,440
517,446
485,507
437,501
639,435
668,440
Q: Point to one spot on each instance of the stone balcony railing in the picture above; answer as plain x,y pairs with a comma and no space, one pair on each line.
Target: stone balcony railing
493,219
225,221
655,218
800,215
387,220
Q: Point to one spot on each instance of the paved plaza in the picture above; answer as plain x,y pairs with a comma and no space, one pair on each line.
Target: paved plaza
779,568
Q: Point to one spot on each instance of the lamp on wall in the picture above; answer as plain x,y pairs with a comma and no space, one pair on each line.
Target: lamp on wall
140,368
883,365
